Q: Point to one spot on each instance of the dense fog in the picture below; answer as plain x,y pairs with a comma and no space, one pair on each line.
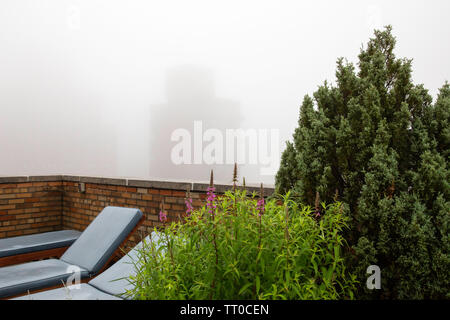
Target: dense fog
151,89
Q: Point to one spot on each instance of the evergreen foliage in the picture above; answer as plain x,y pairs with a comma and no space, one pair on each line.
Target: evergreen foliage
379,142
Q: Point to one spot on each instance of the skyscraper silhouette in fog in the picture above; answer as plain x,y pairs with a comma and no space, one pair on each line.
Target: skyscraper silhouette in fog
191,96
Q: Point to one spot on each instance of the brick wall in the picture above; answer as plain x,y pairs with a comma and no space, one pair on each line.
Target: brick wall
80,208
45,203
30,205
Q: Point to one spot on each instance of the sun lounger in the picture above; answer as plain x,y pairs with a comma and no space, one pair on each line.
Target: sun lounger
85,257
111,284
21,249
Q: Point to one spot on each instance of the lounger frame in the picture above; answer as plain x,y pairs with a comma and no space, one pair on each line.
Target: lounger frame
32,256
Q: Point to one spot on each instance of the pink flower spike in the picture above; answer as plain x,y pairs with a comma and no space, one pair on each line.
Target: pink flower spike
210,200
162,216
260,207
189,207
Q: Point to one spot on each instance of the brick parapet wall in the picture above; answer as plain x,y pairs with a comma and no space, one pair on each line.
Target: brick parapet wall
29,206
79,209
37,204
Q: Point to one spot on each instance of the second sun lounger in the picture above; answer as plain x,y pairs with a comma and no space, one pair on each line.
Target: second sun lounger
22,249
88,254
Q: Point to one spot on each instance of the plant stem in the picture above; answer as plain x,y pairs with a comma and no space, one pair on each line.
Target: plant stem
286,235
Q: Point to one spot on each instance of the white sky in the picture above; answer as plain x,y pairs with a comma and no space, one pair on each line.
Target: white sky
80,80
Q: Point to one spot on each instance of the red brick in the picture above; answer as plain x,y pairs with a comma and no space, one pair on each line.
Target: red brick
7,217
8,196
179,193
14,233
39,184
120,188
55,184
13,201
166,192
24,185
6,207
8,185
147,197
7,228
23,226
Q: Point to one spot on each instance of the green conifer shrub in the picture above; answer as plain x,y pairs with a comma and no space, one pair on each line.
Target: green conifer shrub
379,142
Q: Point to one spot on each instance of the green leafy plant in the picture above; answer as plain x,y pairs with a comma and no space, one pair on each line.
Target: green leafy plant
239,246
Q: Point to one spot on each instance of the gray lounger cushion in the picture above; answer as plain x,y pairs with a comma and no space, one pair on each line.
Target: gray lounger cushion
115,279
37,242
19,278
84,292
109,285
101,238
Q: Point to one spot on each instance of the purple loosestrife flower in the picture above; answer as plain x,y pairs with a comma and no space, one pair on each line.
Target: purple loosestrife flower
162,216
210,204
260,207
189,207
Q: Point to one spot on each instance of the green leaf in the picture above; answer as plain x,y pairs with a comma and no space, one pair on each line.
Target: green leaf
245,287
258,284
